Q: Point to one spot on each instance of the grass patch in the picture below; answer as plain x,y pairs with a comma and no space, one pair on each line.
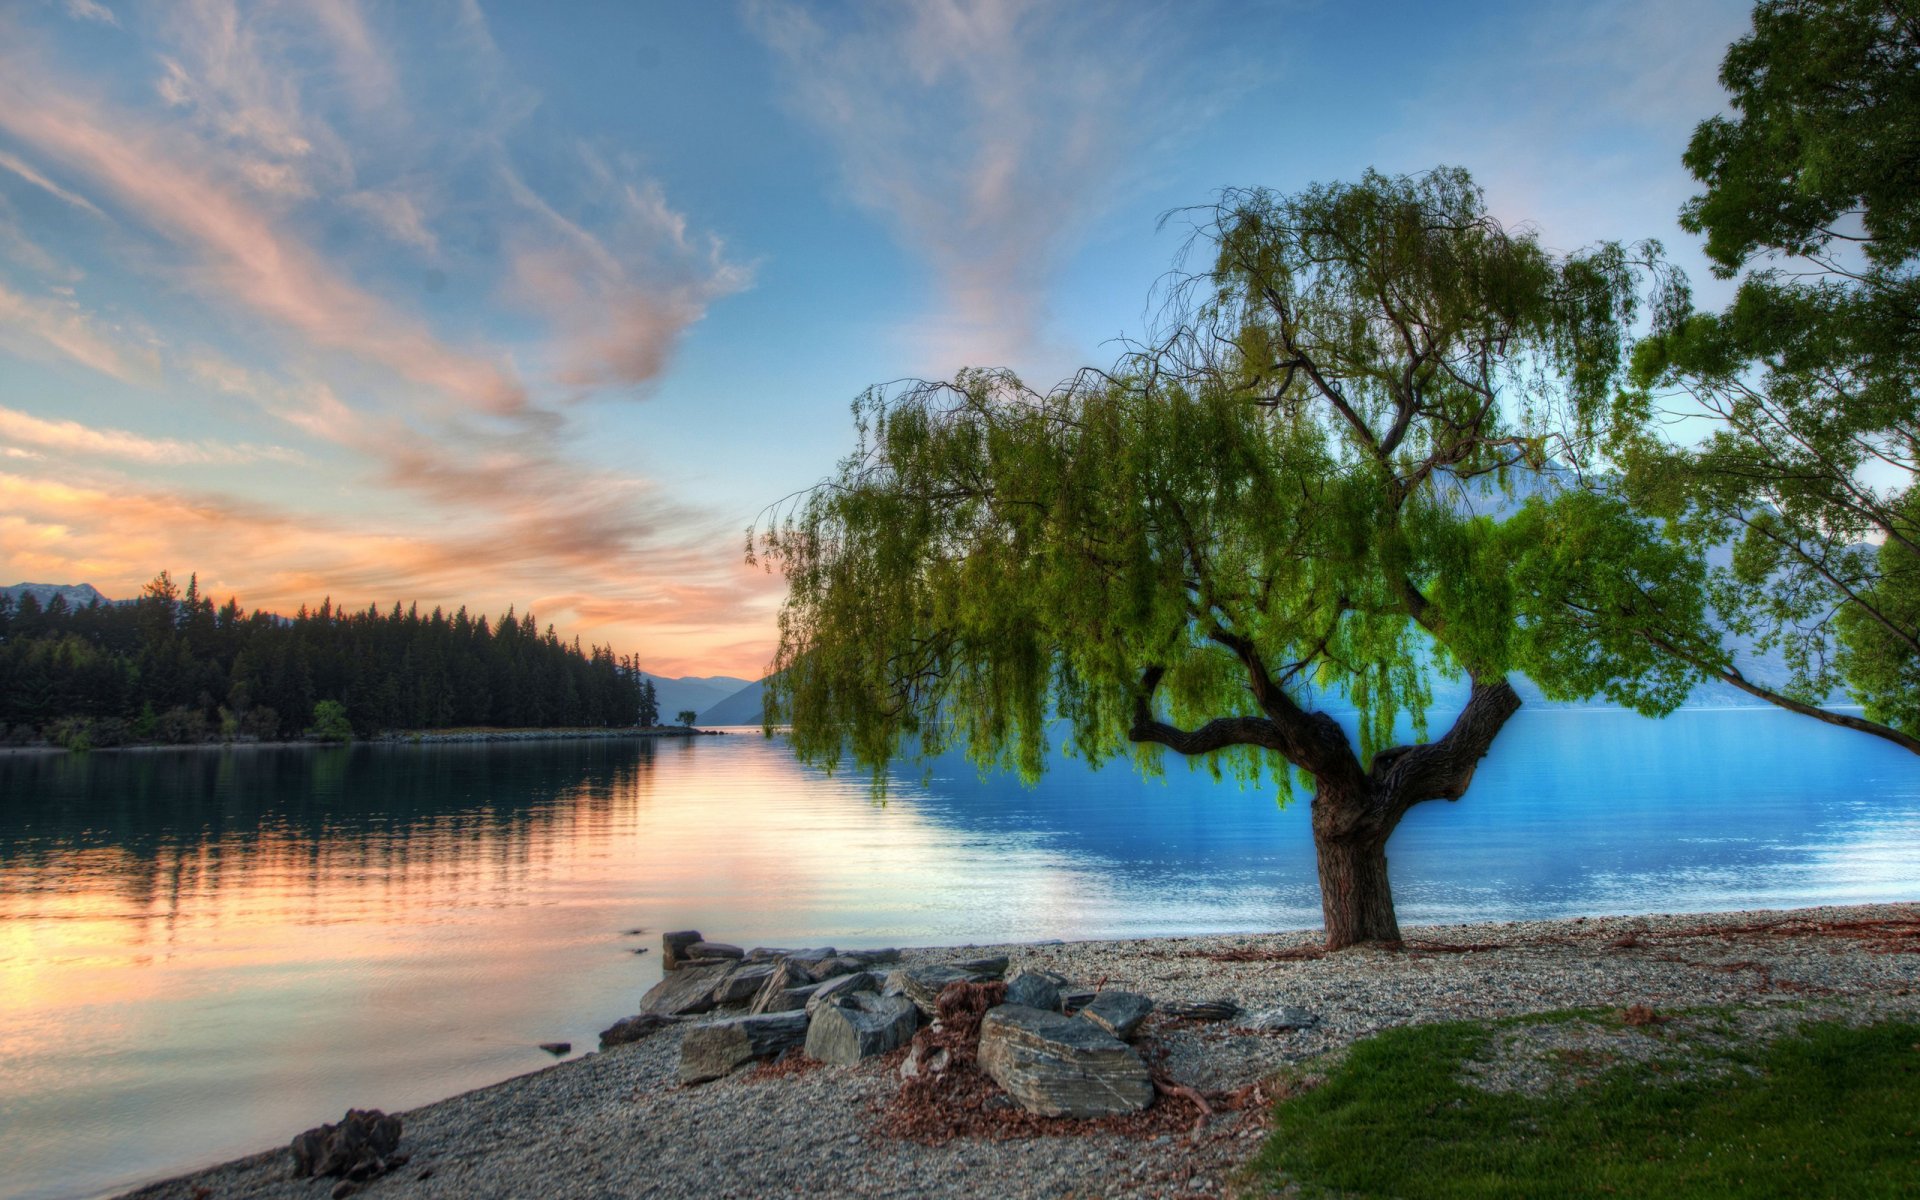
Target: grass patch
1828,1111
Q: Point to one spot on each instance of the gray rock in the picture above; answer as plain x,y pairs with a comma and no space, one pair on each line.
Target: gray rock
874,958
841,987
557,1048
1221,1009
743,982
673,947
1072,1000
685,991
839,964
711,1051
1034,990
714,950
785,977
812,955
360,1147
633,1029
923,984
860,1026
1276,1020
1119,1013
1061,1066
988,968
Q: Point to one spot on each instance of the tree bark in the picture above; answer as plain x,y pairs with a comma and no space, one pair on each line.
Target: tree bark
1356,900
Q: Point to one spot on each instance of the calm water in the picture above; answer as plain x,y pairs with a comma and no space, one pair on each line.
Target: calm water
202,953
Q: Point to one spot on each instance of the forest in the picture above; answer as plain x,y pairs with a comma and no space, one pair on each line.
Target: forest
172,668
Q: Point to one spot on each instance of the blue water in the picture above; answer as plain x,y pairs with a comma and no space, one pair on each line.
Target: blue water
203,952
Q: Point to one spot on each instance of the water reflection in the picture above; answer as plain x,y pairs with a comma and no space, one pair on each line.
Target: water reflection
203,952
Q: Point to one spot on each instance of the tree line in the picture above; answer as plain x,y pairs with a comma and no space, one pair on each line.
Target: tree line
172,667
1376,431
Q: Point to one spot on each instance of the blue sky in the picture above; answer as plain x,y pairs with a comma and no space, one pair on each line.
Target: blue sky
542,304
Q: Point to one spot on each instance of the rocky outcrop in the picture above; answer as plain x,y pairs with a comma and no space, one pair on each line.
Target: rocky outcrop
361,1146
860,1025
1034,990
711,1051
673,947
743,982
1061,1066
1119,1013
633,1029
685,991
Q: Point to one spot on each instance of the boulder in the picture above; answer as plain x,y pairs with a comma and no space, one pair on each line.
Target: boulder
632,1029
840,987
1277,1020
711,1051
557,1048
786,976
810,955
360,1147
874,958
1072,1000
1221,1009
686,991
673,947
1034,990
714,950
987,968
839,964
743,982
922,984
1119,1013
1061,1066
859,1026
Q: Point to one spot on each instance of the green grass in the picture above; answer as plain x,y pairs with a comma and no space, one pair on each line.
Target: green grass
1833,1111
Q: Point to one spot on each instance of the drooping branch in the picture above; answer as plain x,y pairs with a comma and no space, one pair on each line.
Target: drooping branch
1442,770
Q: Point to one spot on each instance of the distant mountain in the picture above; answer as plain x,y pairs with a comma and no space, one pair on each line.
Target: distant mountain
741,708
78,595
696,692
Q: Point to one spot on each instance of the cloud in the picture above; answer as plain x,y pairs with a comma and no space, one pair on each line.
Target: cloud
73,437
91,10
398,215
28,324
9,162
988,135
622,296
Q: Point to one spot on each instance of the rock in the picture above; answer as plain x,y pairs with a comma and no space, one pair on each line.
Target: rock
1072,1000
859,1026
790,1000
358,1148
1061,1066
710,1051
557,1048
632,1029
743,982
812,954
673,947
641,950
786,976
840,987
343,1189
935,1062
922,984
714,950
1203,1010
760,952
988,968
1034,990
839,964
1119,1013
1276,1020
686,991
874,958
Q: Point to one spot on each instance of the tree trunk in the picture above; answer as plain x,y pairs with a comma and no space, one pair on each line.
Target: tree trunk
1355,897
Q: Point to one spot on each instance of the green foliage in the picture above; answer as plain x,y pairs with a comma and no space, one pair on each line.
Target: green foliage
1809,377
1827,127
1830,1112
1280,494
330,722
687,717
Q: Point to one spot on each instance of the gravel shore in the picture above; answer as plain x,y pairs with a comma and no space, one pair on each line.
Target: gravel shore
617,1124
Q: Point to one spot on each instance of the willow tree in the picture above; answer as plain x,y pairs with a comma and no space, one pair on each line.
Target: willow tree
1325,482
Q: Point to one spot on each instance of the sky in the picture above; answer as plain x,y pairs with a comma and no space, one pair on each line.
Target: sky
533,304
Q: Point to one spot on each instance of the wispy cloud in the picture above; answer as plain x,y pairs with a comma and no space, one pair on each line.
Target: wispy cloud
91,10
9,162
986,134
30,325
74,438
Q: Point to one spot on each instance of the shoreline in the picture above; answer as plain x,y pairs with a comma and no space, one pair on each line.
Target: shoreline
426,737
618,1123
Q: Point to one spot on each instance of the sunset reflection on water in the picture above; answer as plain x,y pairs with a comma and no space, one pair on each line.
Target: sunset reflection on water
202,952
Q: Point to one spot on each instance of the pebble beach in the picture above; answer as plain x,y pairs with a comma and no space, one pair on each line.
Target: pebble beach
618,1123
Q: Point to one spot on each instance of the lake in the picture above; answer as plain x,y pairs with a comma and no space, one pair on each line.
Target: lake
204,952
